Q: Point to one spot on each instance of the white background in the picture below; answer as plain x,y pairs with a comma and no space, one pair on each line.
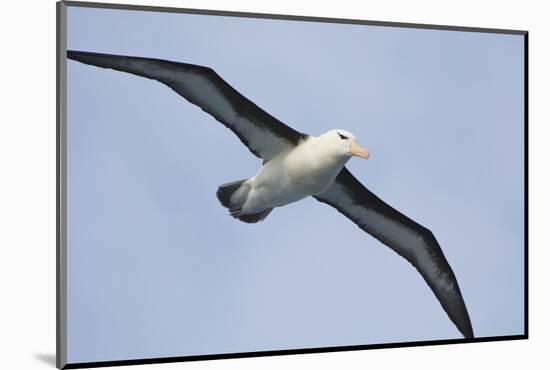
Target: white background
27,189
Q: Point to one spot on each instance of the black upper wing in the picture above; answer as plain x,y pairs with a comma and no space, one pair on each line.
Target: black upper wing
409,239
263,134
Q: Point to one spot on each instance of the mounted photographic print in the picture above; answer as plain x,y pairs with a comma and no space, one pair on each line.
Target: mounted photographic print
235,184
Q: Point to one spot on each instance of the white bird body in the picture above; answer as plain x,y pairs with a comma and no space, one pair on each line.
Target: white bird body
309,169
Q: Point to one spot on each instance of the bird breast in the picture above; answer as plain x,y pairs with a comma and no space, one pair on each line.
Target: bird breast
306,170
311,170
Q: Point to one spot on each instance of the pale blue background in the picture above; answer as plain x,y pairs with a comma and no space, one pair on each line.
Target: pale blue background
157,268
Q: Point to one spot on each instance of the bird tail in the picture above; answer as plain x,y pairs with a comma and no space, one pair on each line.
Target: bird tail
233,195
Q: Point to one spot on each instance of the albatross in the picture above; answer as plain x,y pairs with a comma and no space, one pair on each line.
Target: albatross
296,165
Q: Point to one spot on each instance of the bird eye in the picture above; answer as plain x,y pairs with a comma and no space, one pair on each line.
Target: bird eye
342,136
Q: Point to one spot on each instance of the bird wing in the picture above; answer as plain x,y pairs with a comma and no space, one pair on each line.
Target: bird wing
409,239
264,135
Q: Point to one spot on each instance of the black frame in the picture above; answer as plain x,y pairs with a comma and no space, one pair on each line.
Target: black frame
61,160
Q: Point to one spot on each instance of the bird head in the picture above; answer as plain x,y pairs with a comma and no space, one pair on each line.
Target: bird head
345,144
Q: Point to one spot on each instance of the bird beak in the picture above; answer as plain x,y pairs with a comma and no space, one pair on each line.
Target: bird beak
356,150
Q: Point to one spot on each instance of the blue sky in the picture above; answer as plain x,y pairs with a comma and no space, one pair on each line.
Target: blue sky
157,268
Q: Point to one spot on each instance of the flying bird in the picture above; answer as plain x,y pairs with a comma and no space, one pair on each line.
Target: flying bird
295,166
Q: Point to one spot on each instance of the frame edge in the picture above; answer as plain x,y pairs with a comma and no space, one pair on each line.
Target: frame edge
61,185
289,17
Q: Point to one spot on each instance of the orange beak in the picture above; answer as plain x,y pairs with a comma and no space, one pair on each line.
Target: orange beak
357,151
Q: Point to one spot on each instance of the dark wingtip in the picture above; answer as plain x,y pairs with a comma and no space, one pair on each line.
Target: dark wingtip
460,317
78,55
88,57
467,330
